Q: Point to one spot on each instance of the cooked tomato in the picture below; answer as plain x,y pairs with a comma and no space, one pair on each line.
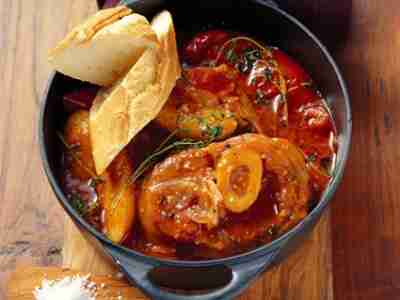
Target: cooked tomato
292,71
262,143
205,46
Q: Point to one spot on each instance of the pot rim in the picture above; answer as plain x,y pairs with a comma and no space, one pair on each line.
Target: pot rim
261,250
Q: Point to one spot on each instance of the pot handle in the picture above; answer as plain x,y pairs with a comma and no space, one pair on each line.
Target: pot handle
242,275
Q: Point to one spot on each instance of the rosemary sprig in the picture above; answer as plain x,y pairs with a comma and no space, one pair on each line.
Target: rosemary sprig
152,159
167,140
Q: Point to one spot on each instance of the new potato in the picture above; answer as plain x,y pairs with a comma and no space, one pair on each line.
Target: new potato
115,195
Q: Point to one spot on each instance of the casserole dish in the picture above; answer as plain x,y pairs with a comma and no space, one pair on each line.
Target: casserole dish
227,277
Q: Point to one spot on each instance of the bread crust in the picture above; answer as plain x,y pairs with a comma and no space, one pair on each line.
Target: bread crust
170,69
103,48
121,111
85,31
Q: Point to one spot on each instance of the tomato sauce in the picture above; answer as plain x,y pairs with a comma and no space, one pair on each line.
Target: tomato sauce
286,104
309,122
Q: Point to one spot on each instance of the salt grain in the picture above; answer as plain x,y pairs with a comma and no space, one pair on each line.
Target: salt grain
69,288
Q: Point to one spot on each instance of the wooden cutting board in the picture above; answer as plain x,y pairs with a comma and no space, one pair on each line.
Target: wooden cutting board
305,275
25,279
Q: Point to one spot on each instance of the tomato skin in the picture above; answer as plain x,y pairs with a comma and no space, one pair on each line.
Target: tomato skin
213,80
269,89
204,46
301,96
319,178
317,118
291,70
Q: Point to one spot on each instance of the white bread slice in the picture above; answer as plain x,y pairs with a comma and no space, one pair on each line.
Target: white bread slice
118,113
121,111
103,48
170,71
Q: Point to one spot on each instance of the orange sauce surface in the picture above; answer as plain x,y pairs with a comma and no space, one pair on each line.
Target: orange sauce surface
301,116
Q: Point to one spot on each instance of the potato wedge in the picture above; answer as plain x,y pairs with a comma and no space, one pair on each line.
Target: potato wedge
76,135
116,197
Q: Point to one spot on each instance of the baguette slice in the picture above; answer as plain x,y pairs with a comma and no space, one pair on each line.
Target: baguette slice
170,69
120,112
102,49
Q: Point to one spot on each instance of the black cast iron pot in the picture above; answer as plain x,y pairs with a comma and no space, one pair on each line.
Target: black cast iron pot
228,277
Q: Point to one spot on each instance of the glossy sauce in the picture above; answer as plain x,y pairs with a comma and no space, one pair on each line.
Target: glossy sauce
309,123
302,117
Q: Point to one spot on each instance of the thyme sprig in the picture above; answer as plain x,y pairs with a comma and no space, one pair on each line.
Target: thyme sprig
256,53
79,205
165,147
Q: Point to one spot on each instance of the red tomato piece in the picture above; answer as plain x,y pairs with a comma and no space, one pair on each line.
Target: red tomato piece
269,89
205,46
211,79
290,69
317,117
319,177
301,96
315,144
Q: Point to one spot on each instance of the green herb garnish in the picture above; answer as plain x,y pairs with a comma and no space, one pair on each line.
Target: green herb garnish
312,157
231,56
210,124
79,205
152,159
268,74
252,54
214,132
93,182
244,66
260,98
166,146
